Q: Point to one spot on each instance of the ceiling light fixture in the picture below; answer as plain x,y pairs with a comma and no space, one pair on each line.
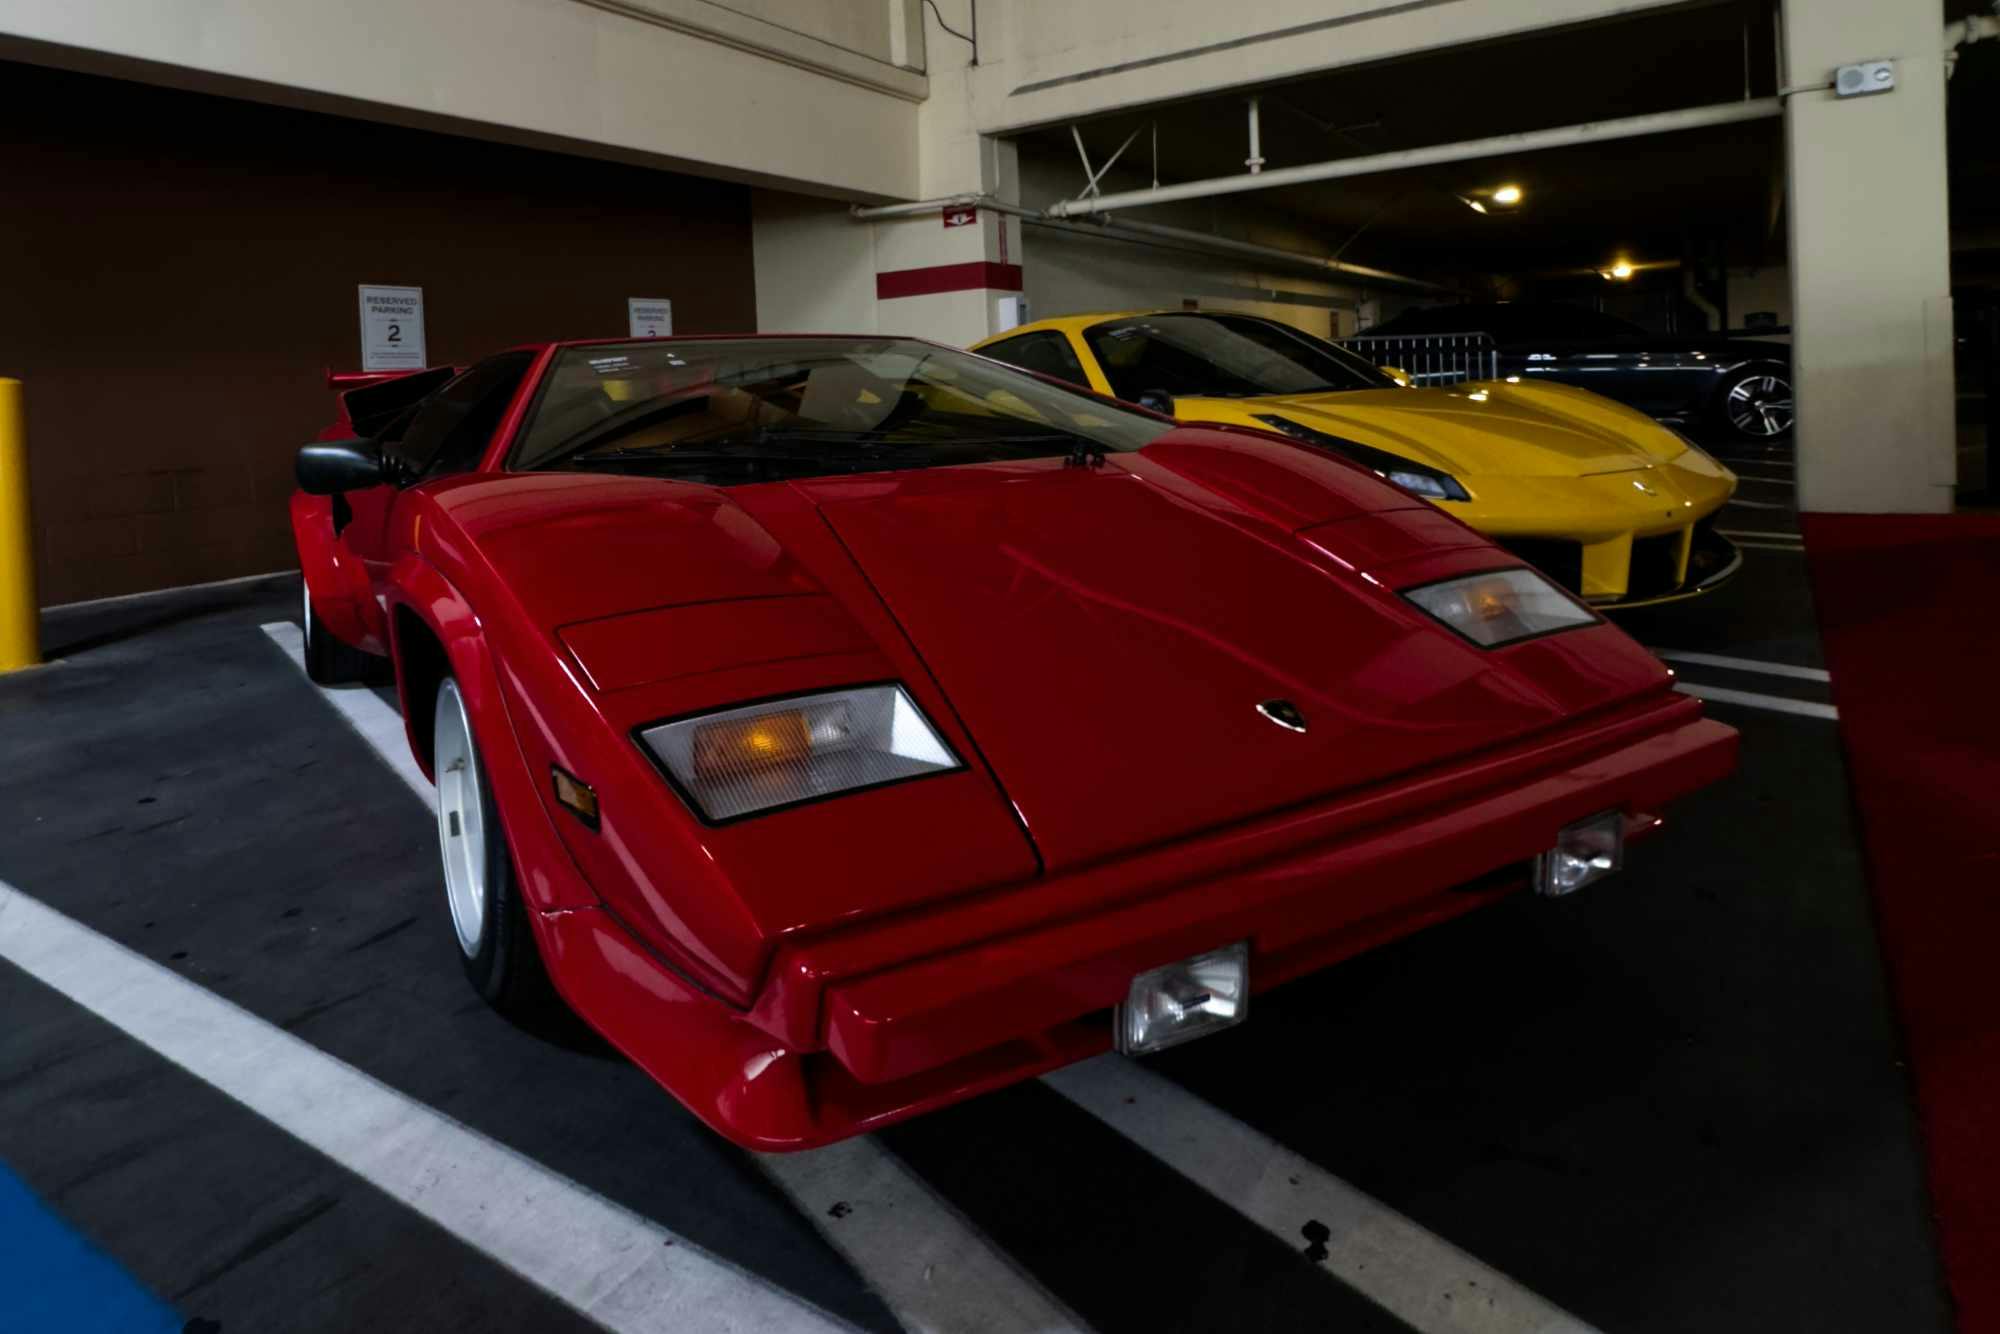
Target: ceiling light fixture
1620,270
1507,194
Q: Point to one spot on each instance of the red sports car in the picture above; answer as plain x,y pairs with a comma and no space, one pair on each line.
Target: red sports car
846,726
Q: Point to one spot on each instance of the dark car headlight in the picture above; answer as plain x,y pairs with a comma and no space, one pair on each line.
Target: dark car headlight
1501,606
757,757
1414,477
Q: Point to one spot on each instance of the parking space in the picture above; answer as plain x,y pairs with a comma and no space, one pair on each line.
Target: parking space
938,544
1672,1102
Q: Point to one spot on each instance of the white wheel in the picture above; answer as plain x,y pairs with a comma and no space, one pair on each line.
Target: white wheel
461,811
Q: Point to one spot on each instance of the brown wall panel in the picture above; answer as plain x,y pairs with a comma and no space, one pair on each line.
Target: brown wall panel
178,270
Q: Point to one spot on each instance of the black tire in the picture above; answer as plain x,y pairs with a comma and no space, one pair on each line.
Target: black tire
501,960
1755,403
332,662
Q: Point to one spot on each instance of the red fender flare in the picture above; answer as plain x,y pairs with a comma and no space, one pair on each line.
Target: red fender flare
341,592
418,586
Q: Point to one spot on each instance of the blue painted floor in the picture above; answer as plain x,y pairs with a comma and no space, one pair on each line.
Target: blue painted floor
52,1278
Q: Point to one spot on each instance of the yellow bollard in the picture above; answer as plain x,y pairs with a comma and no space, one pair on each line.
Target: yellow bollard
20,617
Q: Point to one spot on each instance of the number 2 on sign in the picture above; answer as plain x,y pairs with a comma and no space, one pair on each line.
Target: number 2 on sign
395,333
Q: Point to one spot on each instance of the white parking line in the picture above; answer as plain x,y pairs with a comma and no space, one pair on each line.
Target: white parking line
1772,546
379,725
1744,664
1415,1275
1764,481
1736,503
936,1271
1751,700
625,1272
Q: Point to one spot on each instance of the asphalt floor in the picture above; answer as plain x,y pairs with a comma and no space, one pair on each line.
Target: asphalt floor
1673,1102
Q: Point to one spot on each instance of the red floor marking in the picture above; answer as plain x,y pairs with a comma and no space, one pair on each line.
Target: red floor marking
1909,613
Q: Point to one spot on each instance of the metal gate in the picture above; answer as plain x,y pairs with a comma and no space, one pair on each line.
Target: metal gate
1431,360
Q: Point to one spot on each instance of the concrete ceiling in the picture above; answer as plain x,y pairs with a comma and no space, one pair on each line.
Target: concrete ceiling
1645,198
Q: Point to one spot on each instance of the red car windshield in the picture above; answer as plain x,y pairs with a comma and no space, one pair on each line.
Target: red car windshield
733,411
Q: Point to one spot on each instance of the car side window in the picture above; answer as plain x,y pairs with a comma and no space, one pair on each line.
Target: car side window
1046,351
451,430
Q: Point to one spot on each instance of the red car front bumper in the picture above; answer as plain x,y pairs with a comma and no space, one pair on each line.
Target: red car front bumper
861,1027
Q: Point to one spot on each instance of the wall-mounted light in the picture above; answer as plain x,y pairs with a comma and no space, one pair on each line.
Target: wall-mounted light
1507,194
1619,271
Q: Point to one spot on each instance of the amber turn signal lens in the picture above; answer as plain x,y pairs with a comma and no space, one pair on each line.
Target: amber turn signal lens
575,795
726,749
762,756
1490,602
1500,607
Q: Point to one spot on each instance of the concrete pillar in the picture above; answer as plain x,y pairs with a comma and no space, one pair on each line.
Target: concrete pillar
1870,260
943,277
946,275
940,274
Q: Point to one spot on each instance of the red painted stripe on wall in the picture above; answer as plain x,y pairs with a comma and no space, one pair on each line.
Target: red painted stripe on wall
936,278
1906,661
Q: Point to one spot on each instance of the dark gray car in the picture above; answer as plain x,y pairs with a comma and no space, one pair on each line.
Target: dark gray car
1741,385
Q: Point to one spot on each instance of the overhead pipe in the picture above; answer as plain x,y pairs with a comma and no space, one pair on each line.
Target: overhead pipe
1123,229
1229,245
1629,127
870,213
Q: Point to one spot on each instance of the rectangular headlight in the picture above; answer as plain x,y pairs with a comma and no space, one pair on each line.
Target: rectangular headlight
736,762
1182,1001
1501,606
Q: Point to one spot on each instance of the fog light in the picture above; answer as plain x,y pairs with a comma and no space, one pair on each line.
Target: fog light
1585,852
1185,1000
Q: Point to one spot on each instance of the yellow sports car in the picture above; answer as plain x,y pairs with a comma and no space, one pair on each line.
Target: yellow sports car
1608,502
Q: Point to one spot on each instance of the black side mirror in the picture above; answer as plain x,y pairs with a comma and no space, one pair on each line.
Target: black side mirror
340,465
1157,400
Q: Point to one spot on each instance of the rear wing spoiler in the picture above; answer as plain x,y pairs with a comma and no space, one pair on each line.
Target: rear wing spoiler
370,400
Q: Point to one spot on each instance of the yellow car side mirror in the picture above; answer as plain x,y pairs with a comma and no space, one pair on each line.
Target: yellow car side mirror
1396,373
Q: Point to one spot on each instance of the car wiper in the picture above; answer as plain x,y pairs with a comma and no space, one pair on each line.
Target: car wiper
654,458
929,436
845,452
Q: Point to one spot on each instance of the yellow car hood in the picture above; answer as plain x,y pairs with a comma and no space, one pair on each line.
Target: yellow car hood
1488,428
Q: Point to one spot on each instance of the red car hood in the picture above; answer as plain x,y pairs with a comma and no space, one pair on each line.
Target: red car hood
1107,633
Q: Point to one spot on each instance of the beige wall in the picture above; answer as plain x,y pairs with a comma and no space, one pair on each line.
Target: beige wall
613,79
1073,275
1767,288
863,27
1870,261
816,96
815,266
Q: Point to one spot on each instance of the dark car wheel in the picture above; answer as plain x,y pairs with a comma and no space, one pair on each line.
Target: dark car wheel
482,893
1756,403
331,662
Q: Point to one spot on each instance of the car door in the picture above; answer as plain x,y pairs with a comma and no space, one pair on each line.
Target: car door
445,434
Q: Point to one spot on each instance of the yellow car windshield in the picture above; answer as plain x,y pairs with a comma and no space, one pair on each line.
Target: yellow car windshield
1221,356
